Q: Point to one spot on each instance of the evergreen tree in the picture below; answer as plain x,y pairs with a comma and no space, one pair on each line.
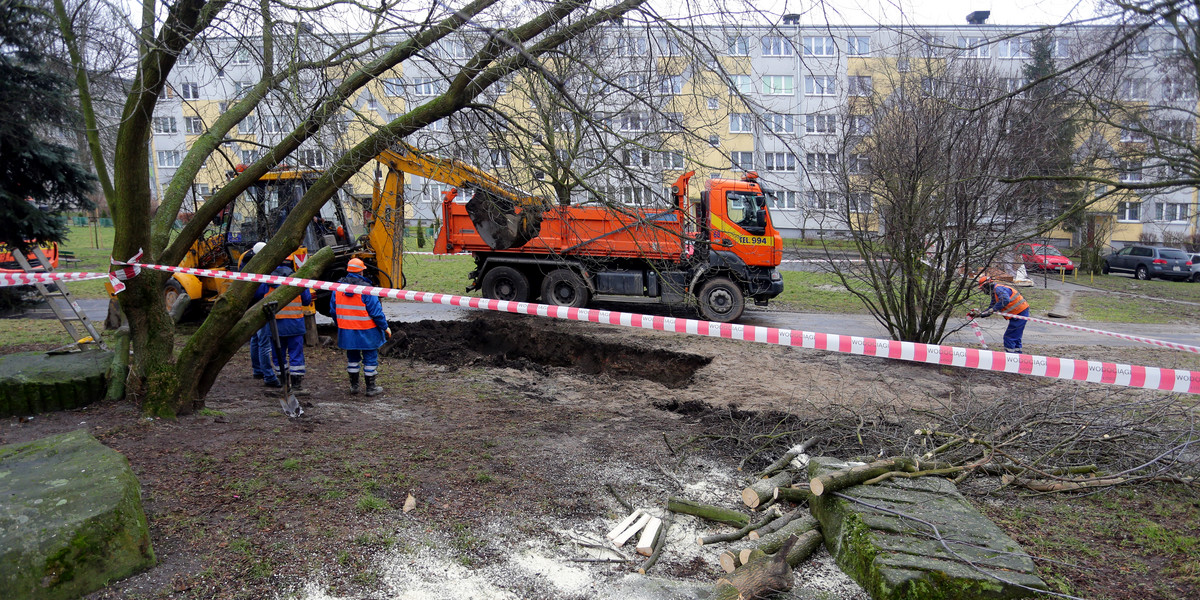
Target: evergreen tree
1048,122
38,176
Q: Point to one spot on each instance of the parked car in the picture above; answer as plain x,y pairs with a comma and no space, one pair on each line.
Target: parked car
1044,257
1196,267
1146,262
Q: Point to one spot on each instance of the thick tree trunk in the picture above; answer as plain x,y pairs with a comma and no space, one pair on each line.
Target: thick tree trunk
838,480
764,489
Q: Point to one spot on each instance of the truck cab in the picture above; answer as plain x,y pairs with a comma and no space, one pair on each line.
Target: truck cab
735,220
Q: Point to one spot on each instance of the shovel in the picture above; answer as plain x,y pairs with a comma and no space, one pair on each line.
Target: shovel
289,404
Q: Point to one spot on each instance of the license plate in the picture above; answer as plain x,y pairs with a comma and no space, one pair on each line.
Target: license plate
1176,267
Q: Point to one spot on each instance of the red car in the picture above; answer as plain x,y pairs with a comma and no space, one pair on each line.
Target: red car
1044,257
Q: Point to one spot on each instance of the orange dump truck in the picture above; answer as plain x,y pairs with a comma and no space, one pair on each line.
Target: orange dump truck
717,251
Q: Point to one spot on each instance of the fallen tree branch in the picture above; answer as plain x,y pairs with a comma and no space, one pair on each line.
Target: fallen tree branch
798,493
838,480
787,458
612,490
769,544
741,533
658,545
707,511
777,524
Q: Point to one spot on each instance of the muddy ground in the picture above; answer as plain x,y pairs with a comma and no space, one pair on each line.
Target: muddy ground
508,432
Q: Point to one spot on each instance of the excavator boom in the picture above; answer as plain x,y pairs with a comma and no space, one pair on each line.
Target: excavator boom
504,216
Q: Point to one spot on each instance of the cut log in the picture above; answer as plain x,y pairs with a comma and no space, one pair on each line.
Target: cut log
731,560
770,517
631,531
645,545
760,578
623,525
770,543
777,524
799,495
787,458
839,480
764,489
658,546
706,511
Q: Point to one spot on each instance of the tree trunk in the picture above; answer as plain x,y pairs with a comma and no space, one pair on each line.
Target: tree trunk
838,480
760,578
705,511
769,544
764,489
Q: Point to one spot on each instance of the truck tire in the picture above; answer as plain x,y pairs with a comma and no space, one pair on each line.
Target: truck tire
721,300
564,287
506,283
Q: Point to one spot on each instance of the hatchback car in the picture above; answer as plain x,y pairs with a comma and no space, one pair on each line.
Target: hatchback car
1044,257
1196,267
1146,262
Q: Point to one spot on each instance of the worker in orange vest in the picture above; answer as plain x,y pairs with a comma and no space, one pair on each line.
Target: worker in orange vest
362,328
1006,300
290,322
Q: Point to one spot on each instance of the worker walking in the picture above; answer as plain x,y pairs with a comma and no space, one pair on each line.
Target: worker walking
260,342
290,323
1006,300
362,328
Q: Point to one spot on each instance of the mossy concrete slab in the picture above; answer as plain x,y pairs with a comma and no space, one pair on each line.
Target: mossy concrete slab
883,537
36,382
71,518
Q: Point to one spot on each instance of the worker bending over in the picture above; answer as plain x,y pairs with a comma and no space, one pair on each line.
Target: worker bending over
1006,300
362,328
290,322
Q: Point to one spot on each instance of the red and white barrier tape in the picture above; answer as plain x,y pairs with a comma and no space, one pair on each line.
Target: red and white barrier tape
117,277
10,279
978,332
1154,378
1124,336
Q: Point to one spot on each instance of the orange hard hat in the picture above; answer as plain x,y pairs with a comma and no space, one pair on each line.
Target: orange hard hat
983,280
356,266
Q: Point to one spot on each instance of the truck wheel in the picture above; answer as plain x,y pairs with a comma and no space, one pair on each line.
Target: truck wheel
1105,269
721,300
506,283
1142,273
172,292
564,287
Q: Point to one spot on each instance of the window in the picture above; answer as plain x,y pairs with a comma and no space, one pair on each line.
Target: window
1170,211
819,85
1015,48
1140,46
815,162
668,46
903,65
1012,84
671,84
203,190
1128,210
393,87
740,84
251,156
860,125
426,86
1177,89
859,202
820,123
633,83
1132,133
714,104
1060,48
858,46
310,158
193,125
638,195
499,158
635,158
779,85
220,73
776,45
187,58
934,46
452,49
628,45
248,125
241,56
669,121
672,160
168,158
742,160
784,200
819,200
1130,170
780,123
741,123
272,124
739,46
633,121
1133,89
973,47
189,91
858,164
164,125
714,141
858,85
1181,129
819,46
781,161
241,87
222,107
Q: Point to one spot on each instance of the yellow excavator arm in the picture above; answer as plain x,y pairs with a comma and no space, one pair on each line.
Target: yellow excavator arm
504,216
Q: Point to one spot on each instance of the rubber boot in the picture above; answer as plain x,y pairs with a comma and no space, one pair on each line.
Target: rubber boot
298,386
354,384
372,389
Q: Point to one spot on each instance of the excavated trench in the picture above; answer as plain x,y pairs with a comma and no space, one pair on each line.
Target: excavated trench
537,345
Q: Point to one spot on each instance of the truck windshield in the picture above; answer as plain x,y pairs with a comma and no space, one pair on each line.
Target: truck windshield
748,210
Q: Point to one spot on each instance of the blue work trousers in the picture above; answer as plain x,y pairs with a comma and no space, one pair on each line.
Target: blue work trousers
1012,335
260,345
364,361
293,352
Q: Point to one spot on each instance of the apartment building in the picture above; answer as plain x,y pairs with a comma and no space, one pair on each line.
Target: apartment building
721,100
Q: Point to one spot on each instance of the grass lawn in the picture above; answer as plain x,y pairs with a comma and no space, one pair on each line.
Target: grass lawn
1099,306
1155,288
44,333
440,274
92,255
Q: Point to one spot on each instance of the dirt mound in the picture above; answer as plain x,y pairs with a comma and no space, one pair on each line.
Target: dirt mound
523,344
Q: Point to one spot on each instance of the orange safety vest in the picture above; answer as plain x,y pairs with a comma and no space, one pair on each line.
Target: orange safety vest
351,312
293,310
1015,305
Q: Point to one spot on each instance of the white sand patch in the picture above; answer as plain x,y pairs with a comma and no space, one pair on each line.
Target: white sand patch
315,591
567,579
424,576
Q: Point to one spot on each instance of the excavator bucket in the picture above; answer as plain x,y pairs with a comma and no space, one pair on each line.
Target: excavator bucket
499,224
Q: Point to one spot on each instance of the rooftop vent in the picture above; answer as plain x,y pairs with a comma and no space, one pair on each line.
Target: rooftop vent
979,17
791,19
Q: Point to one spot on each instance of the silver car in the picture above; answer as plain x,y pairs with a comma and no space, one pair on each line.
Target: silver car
1145,262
